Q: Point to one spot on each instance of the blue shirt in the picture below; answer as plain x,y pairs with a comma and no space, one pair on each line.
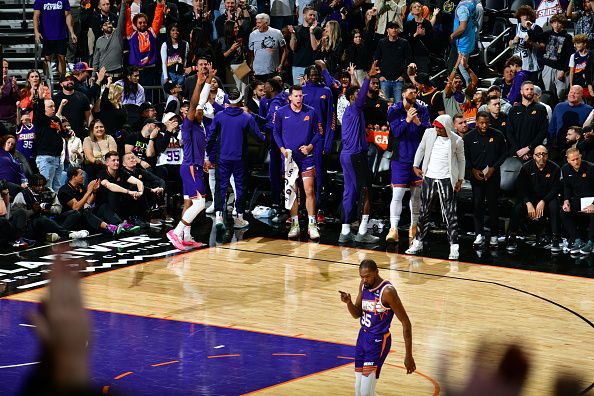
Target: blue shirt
354,139
466,12
228,134
295,129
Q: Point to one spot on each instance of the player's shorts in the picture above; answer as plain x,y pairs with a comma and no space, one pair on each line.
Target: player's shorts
371,352
306,166
54,47
193,180
403,175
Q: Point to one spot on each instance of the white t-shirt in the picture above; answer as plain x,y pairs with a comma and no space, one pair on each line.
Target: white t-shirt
439,162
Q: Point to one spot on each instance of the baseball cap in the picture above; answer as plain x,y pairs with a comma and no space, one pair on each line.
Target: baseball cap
153,121
82,66
537,90
145,106
168,117
393,24
67,76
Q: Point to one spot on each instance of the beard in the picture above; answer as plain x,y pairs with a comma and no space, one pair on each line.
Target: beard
68,87
108,30
528,97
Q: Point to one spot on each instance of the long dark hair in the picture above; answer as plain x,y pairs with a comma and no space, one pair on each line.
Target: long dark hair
5,139
200,45
229,32
173,25
130,88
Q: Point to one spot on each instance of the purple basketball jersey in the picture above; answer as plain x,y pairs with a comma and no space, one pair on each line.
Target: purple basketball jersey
26,141
376,318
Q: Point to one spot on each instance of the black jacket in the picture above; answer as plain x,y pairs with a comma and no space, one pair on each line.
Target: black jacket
526,126
580,183
535,185
485,150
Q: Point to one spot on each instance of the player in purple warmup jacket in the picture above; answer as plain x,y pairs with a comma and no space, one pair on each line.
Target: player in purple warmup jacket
227,147
376,305
296,128
192,169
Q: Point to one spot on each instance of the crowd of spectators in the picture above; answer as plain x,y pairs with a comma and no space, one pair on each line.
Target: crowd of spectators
100,149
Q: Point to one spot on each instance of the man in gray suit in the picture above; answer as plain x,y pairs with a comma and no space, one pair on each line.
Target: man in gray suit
441,153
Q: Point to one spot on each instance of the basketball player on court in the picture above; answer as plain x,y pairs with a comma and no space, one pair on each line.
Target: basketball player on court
192,168
376,304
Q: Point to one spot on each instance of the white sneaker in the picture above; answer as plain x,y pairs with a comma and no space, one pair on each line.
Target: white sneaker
234,212
479,240
494,241
78,234
210,209
454,251
295,231
52,237
240,223
313,232
415,248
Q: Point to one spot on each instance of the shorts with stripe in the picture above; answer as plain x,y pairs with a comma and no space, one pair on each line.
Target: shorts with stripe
371,351
193,180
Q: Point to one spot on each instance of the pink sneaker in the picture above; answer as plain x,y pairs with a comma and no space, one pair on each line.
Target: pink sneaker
192,243
175,241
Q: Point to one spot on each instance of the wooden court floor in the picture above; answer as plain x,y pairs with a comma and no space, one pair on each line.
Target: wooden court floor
290,288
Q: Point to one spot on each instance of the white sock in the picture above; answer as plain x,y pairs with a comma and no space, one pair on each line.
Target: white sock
363,224
368,385
179,229
295,219
240,216
346,229
219,215
358,376
212,182
187,233
312,219
396,206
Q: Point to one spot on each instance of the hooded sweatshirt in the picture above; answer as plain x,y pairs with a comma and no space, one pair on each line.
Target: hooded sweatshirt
406,135
353,124
228,134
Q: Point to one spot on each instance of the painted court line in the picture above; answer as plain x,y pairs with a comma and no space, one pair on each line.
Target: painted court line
164,363
19,365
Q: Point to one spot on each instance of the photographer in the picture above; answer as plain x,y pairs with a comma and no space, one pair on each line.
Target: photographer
76,201
40,205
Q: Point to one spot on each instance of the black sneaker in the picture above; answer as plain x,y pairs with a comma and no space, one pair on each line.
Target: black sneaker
577,246
556,245
512,244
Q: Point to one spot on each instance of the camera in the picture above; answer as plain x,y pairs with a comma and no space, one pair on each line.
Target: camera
46,198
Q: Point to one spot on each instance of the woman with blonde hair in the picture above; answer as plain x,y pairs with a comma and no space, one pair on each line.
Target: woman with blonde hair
111,111
95,146
331,49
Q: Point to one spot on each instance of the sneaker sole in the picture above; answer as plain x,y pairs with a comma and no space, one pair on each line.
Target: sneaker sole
240,227
175,244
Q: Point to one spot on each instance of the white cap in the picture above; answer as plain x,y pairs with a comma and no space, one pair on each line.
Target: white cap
167,117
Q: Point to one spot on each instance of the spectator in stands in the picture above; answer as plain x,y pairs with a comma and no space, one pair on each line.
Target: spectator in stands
140,142
505,82
523,47
27,140
76,204
571,112
227,149
174,54
375,112
33,83
296,128
231,45
108,52
258,92
393,54
305,40
537,97
331,47
9,96
538,185
574,137
388,11
558,49
40,203
50,140
581,67
586,144
463,38
233,13
114,197
143,43
519,76
133,92
266,44
527,124
497,118
484,151
11,168
77,108
199,17
584,20
440,162
82,73
408,121
173,91
360,51
454,94
102,15
111,111
578,204
460,125
495,92
10,219
201,47
52,21
73,150
419,33
95,147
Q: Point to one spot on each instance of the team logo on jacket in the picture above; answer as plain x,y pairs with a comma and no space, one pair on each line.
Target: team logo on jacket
584,174
533,112
548,175
491,140
306,118
323,97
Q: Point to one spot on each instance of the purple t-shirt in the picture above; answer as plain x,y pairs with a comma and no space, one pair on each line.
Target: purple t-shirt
52,20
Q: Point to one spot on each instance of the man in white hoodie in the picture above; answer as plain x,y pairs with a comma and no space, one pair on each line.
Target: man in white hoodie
441,154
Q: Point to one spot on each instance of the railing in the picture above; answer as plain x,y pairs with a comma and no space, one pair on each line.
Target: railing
495,41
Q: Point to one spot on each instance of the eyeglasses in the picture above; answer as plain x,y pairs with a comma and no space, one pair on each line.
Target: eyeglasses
541,154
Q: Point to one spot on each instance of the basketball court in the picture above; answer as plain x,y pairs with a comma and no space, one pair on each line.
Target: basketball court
264,316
